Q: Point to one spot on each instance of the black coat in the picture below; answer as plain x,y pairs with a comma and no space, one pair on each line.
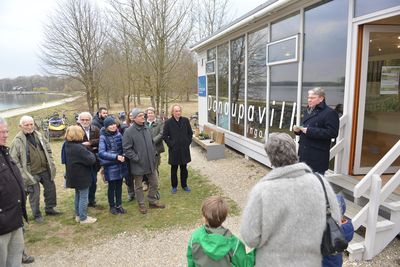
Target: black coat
99,123
178,136
322,125
79,163
12,194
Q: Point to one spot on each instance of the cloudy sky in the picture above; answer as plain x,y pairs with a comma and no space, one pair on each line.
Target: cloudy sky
21,32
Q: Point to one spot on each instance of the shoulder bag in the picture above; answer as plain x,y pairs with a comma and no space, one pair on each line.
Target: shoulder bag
333,240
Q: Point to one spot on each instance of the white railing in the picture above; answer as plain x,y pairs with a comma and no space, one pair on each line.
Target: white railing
340,142
377,195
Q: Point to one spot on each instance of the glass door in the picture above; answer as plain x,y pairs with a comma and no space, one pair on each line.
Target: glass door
379,105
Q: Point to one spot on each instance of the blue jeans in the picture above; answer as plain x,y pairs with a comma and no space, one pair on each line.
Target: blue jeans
81,203
115,193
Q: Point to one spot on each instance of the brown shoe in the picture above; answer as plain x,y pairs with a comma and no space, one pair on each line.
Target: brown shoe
142,208
156,205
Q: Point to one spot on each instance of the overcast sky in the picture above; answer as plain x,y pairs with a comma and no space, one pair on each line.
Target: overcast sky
21,32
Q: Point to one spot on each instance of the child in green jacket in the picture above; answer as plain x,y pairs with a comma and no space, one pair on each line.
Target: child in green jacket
212,244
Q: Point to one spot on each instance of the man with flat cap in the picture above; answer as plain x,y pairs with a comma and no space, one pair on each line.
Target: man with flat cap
140,150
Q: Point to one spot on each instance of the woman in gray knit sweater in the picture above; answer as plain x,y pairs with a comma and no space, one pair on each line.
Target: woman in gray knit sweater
285,216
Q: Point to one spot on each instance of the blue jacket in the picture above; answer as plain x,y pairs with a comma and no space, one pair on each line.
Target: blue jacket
110,146
337,260
322,125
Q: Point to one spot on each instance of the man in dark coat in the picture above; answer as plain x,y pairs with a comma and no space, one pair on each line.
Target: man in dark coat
320,125
91,142
178,135
12,205
98,120
138,147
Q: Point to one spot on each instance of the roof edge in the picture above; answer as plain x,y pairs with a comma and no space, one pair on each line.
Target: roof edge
247,18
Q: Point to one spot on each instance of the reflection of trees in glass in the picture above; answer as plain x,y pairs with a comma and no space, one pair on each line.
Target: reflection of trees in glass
211,98
237,85
211,88
211,53
256,84
223,84
283,94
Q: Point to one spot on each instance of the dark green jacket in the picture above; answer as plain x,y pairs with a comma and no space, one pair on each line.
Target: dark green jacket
209,247
156,130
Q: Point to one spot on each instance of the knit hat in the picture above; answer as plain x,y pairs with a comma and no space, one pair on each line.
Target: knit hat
109,121
136,111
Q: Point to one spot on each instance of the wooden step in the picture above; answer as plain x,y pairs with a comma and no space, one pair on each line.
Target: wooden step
352,209
356,248
348,183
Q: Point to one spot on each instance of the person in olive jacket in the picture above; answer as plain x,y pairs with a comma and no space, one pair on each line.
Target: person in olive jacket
12,205
178,135
79,162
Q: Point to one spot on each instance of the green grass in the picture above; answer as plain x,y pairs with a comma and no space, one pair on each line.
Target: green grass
60,232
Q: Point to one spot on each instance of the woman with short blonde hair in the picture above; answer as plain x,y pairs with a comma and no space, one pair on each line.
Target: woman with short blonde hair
74,133
78,162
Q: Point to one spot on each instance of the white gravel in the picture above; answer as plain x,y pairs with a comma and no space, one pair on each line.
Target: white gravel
234,175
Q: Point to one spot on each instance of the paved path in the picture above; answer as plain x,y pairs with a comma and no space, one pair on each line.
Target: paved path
25,110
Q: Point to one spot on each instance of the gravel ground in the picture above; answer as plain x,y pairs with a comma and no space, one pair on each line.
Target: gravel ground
234,175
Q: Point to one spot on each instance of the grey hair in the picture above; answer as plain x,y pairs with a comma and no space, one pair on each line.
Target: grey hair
24,119
281,149
85,113
150,108
319,91
3,121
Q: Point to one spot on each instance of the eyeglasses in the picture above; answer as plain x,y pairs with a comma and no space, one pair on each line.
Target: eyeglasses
4,132
84,119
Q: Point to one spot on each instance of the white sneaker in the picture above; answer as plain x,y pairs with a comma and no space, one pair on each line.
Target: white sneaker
89,220
77,219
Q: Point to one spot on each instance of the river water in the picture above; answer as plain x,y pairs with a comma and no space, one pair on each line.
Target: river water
17,101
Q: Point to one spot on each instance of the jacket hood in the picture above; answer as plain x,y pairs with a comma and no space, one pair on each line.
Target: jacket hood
217,242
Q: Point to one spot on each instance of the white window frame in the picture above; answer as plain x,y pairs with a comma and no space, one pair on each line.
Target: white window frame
295,59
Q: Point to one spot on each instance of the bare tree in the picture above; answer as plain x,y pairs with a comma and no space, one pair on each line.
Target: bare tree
161,30
73,45
208,16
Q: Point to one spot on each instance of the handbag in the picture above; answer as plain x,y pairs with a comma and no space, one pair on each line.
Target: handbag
333,240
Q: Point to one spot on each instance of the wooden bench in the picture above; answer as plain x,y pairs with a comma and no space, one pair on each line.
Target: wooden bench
214,146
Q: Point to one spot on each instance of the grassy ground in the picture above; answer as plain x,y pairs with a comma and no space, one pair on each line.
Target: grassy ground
60,232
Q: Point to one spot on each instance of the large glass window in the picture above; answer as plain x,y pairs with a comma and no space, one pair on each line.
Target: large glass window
211,86
256,84
325,42
283,98
363,7
285,27
223,85
238,111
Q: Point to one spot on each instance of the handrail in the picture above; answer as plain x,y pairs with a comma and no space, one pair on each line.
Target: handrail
378,194
339,146
387,160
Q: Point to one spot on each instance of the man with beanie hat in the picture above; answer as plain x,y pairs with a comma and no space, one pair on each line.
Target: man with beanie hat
139,149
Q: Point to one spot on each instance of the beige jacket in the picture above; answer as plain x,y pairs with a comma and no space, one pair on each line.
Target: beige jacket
18,153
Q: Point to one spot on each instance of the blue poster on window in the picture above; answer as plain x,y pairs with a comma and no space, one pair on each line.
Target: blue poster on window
202,85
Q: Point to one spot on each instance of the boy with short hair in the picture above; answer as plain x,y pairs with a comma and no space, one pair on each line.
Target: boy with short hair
212,244
348,231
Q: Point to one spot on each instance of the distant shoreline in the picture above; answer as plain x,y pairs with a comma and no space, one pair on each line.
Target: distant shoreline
32,93
25,110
